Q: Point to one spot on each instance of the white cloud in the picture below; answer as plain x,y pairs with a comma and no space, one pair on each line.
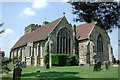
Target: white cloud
7,40
7,45
58,0
39,4
64,0
28,11
8,31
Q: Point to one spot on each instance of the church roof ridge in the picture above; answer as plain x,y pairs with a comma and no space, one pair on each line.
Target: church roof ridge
43,32
83,30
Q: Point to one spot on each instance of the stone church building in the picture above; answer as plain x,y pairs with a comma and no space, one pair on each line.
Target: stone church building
87,41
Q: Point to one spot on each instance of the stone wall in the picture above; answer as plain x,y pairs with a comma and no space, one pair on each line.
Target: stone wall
32,53
111,56
88,48
100,56
53,35
83,50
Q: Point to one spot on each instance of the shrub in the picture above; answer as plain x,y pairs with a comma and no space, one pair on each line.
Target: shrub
63,59
47,54
14,58
5,61
4,67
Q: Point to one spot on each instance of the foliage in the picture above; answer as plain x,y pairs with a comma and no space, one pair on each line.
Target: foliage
5,68
47,53
1,31
1,24
63,59
5,61
107,14
14,58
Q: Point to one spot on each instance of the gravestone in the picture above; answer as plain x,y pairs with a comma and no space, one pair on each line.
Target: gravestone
97,66
106,66
17,73
117,62
108,63
23,64
47,66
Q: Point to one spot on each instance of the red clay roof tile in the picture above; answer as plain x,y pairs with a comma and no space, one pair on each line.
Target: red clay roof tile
38,34
83,30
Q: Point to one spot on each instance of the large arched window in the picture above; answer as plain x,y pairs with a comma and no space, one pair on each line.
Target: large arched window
99,44
63,42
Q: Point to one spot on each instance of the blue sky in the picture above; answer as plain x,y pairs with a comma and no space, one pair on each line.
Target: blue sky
18,15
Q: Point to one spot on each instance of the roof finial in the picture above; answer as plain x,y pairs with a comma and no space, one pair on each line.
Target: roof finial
63,13
45,19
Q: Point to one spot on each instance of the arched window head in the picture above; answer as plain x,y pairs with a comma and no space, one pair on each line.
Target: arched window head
100,43
63,41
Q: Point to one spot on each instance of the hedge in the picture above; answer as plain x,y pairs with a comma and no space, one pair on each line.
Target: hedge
63,59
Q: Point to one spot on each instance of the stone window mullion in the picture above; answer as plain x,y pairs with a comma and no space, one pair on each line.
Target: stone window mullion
65,44
62,45
59,45
99,44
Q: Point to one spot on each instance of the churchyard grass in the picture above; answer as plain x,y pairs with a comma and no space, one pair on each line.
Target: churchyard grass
66,72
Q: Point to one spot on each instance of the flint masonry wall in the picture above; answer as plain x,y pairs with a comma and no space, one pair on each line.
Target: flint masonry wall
88,48
53,38
100,56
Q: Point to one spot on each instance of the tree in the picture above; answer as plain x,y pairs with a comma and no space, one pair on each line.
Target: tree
1,31
5,63
107,14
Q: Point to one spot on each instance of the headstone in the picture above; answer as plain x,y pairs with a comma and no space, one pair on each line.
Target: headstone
106,66
117,61
47,66
17,70
97,66
23,64
17,73
108,63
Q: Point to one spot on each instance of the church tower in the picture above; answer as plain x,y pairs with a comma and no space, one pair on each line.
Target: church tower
31,27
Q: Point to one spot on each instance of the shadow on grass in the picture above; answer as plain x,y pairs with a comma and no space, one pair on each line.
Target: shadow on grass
52,75
48,76
55,76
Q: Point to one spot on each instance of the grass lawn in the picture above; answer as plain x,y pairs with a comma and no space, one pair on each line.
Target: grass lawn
66,72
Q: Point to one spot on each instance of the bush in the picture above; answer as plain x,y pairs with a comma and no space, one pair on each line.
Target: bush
5,61
4,67
14,58
63,59
47,55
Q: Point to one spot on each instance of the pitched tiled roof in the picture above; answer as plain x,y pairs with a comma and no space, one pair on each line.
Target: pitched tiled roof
38,34
83,31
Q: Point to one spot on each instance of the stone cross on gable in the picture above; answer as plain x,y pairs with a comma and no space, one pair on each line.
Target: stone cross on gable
45,19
